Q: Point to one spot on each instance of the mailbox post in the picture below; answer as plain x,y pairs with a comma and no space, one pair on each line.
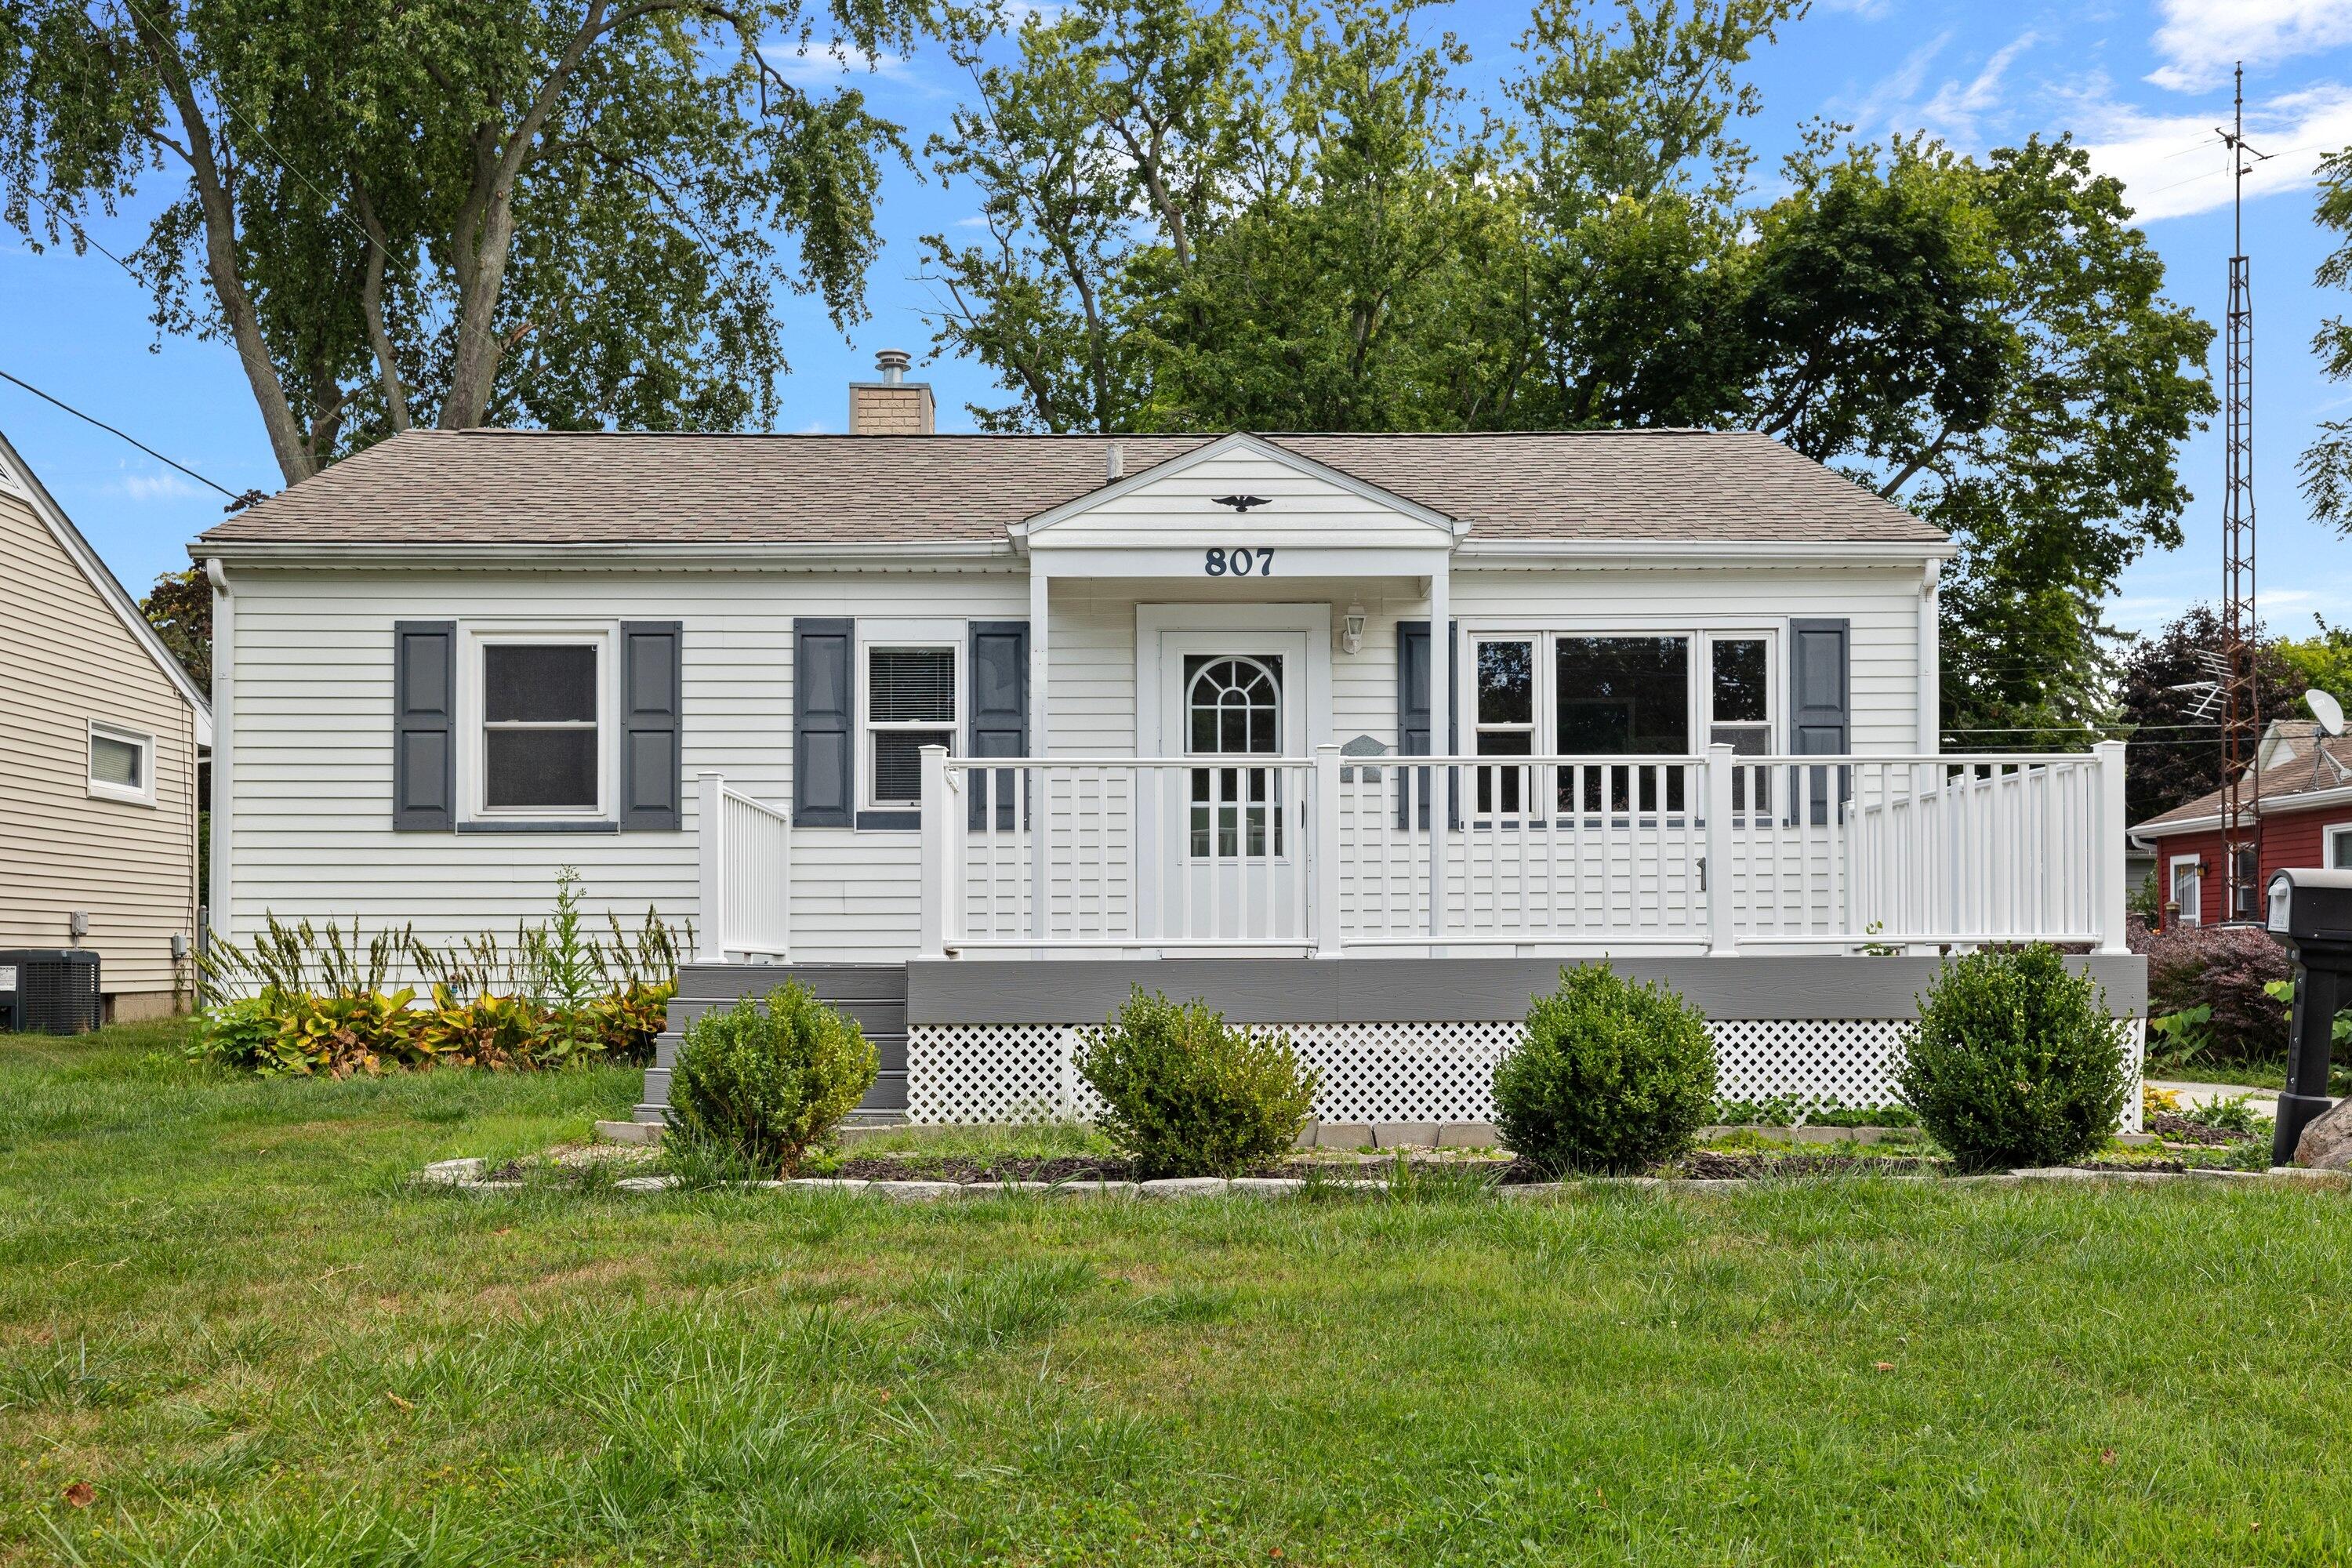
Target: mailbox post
2311,916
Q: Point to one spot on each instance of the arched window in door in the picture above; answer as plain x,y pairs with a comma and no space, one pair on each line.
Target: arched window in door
1233,707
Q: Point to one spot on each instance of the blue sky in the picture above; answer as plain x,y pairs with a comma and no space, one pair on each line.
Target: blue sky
2142,85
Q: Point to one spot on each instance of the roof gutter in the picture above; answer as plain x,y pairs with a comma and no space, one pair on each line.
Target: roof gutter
641,557
1587,552
2287,805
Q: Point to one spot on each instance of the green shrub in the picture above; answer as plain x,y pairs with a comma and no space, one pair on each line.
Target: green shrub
770,1084
240,1035
2014,1060
1189,1095
1611,1075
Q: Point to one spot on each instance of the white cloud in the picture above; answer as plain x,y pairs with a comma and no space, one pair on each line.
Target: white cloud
2174,164
2201,40
811,65
1955,110
155,486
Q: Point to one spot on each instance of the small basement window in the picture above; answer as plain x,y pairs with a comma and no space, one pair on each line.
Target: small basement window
541,739
121,764
909,696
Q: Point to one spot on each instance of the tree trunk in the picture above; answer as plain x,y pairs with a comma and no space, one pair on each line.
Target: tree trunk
295,460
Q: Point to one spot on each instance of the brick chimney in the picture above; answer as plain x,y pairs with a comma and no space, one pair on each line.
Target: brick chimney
892,405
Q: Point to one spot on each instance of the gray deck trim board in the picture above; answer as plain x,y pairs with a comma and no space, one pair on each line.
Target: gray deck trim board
1439,990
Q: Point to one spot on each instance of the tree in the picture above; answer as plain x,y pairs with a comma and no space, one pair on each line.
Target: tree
2324,659
2166,696
553,211
180,607
2327,464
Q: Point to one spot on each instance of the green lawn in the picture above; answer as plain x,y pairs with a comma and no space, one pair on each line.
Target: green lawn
224,1308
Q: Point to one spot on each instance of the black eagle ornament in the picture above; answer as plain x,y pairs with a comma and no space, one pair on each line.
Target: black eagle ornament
1239,503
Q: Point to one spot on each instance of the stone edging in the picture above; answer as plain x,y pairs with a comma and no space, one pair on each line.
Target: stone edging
467,1176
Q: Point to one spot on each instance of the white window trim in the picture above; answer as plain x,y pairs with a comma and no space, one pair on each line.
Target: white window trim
887,632
1699,693
2327,840
102,789
472,756
2194,913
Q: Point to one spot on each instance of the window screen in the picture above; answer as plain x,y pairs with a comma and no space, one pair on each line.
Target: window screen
539,727
910,703
118,762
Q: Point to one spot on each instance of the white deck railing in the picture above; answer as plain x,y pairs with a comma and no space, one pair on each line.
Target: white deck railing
745,850
1708,853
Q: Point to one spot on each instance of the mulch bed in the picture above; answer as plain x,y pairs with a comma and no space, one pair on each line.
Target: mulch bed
2176,1128
1711,1164
1704,1164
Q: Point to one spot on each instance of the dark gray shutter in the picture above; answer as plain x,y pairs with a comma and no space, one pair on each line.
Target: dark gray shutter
1000,710
1413,705
1820,700
652,776
824,721
423,724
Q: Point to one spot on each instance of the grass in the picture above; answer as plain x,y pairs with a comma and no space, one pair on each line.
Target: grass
226,1310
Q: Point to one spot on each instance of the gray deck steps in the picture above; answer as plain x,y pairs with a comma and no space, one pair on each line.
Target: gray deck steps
873,994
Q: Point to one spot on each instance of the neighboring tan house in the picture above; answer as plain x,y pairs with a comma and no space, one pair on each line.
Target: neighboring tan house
975,731
2302,817
99,734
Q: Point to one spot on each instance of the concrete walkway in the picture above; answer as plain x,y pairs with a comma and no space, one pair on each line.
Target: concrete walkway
2263,1102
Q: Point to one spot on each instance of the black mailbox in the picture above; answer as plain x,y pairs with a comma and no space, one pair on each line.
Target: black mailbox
2310,914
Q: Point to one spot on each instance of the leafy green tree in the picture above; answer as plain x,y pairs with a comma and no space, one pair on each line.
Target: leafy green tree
557,211
180,607
2166,696
2324,659
2328,462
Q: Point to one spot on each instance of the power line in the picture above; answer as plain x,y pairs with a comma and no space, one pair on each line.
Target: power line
234,500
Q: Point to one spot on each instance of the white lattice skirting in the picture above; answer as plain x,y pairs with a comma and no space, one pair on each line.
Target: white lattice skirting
1406,1072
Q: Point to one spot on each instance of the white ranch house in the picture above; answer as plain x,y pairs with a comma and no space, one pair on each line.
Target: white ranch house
974,732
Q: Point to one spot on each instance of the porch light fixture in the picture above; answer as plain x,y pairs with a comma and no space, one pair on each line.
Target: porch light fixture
1351,629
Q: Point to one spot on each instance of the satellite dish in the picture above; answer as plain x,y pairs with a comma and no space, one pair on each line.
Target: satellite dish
2327,710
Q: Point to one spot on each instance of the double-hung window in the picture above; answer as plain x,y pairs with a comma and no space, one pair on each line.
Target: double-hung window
542,740
1614,694
910,699
2339,846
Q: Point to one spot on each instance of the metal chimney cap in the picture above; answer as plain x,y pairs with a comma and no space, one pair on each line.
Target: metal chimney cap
893,363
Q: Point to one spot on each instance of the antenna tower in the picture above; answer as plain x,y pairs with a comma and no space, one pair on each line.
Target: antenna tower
2242,707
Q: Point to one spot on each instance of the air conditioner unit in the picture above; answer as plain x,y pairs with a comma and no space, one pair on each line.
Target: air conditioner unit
49,991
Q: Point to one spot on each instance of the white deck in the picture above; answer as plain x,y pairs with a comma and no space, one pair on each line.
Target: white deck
1717,854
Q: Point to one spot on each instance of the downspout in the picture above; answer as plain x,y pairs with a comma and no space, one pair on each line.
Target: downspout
1931,672
224,742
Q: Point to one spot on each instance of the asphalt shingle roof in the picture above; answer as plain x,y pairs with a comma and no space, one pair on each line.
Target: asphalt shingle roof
2303,772
557,487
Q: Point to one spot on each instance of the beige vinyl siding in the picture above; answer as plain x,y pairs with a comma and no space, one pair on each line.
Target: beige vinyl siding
65,659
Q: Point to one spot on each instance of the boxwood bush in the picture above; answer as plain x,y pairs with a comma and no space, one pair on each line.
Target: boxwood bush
1611,1075
766,1084
1189,1094
2014,1060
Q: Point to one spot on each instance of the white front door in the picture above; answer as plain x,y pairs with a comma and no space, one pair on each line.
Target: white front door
1234,853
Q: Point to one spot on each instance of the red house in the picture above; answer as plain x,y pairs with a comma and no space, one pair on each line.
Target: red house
2302,816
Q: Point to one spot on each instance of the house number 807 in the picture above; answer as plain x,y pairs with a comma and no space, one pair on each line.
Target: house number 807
1239,561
